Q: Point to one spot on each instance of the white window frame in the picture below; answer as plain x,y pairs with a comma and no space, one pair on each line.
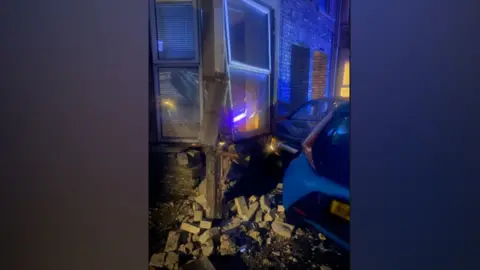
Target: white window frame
243,66
165,64
232,64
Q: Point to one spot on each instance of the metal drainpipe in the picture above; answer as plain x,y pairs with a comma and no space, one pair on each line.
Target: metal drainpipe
338,26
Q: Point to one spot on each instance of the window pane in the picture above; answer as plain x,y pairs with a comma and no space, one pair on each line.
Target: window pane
175,31
249,33
179,103
331,150
250,102
346,74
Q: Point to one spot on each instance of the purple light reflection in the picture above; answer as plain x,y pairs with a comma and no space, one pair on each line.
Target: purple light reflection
240,116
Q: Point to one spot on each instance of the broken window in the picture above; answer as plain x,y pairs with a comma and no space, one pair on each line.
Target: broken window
249,65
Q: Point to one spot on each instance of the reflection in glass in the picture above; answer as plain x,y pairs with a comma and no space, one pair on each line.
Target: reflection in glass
311,111
175,31
179,103
250,101
248,29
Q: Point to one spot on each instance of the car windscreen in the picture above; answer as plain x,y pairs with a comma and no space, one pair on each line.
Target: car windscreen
331,150
312,111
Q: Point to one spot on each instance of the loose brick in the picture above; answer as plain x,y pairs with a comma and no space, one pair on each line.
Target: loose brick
202,200
259,217
189,228
205,224
265,203
172,241
233,224
283,229
252,199
208,234
270,216
242,207
198,216
157,260
171,260
251,212
207,248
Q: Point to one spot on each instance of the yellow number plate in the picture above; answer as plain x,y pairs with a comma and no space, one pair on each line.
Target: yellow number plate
340,209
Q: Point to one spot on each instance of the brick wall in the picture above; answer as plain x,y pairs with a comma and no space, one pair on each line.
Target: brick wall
319,74
301,23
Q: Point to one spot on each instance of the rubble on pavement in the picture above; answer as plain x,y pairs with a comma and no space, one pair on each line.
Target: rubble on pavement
254,228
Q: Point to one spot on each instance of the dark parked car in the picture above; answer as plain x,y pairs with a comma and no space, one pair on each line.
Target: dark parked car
316,184
294,128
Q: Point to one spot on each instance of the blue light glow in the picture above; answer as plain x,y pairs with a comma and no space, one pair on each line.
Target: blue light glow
240,116
241,66
304,25
258,7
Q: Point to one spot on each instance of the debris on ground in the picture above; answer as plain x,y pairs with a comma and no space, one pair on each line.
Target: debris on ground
227,246
189,228
157,259
254,230
201,264
265,203
282,229
172,260
172,241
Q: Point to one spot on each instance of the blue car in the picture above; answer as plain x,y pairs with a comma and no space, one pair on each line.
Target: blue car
316,184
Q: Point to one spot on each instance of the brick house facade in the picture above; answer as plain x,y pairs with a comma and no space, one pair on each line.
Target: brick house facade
301,38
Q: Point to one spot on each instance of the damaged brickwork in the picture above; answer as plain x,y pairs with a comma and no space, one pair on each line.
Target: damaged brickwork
252,234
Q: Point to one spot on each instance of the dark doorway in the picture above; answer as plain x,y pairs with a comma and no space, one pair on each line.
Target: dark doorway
300,75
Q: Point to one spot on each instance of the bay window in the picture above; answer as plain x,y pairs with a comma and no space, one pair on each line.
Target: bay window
248,36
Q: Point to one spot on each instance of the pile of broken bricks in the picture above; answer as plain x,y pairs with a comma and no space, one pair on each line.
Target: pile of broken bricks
249,223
